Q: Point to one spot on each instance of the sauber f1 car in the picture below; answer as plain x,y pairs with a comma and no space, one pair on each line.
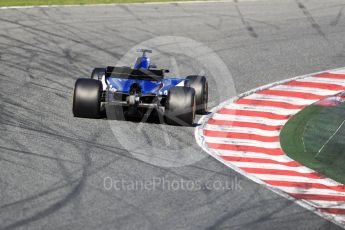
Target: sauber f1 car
138,91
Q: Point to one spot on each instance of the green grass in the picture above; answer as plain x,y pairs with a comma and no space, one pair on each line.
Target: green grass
69,2
304,134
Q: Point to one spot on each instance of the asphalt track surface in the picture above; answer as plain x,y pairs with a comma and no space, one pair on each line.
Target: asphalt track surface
53,165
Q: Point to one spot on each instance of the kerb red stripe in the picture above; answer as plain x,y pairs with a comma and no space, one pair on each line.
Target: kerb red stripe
338,211
330,75
316,85
317,197
340,188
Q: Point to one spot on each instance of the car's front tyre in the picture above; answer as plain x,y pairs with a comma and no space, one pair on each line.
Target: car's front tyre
98,73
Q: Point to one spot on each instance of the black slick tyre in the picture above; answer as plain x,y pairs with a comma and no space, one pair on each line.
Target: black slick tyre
200,85
98,73
87,98
180,106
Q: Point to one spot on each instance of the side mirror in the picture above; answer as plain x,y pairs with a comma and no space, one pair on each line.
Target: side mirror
166,71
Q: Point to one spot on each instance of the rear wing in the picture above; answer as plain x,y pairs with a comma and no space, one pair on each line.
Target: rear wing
139,74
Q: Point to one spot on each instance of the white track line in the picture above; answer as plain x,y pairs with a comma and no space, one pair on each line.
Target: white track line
257,120
234,141
328,204
323,92
329,139
314,191
294,179
275,110
338,71
324,80
300,169
224,153
291,100
223,128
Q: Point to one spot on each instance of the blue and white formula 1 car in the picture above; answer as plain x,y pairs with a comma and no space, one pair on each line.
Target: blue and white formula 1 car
138,91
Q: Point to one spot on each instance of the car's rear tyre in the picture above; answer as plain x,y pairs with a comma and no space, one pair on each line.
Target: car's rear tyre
87,98
180,106
200,85
98,73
